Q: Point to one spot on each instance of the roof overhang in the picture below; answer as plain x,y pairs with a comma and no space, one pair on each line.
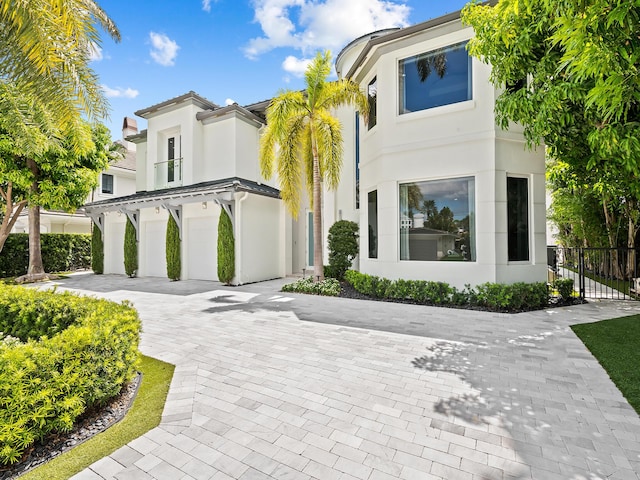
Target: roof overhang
230,111
190,98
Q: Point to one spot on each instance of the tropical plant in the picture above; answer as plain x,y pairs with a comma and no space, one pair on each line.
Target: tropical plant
97,251
303,140
343,247
172,250
226,249
130,250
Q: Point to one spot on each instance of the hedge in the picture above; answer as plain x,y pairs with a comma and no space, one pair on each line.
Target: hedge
172,250
61,252
497,297
61,354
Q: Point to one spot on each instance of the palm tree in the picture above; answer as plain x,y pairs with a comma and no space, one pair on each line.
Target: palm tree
303,138
45,48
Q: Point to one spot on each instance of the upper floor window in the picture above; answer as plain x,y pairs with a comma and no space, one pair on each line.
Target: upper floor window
518,218
106,183
372,94
436,78
357,142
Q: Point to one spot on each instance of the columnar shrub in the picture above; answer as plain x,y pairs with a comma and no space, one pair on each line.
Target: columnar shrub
173,250
97,251
343,247
130,250
60,354
226,249
60,252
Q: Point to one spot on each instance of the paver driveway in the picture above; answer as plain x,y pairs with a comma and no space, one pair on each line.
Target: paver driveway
272,385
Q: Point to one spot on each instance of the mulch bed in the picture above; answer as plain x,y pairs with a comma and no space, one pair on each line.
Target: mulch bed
92,422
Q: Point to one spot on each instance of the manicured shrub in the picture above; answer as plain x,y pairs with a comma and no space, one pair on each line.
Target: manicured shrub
343,247
327,287
61,355
61,252
564,286
130,250
97,251
172,250
226,249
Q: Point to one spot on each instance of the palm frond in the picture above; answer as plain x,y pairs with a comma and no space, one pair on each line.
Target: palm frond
345,92
289,166
307,161
330,151
316,77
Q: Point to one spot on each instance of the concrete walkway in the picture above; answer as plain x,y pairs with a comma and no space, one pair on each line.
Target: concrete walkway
273,385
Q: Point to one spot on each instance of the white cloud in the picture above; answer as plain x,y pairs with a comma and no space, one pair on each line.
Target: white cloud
119,92
308,25
206,5
95,52
295,66
163,49
229,101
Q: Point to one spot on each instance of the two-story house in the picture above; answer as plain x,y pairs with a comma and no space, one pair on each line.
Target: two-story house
439,190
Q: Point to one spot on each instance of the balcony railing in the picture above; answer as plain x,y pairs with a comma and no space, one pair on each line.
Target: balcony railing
168,174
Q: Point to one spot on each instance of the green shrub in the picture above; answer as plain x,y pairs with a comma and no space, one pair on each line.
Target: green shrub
564,286
61,252
130,250
491,296
97,251
327,287
172,250
73,353
226,249
343,247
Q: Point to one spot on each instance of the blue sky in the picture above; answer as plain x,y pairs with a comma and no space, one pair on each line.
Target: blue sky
232,50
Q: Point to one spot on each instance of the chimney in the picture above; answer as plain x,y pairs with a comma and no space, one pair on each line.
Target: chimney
129,127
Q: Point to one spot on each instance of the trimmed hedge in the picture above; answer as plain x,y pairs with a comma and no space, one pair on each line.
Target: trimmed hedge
61,354
172,250
329,287
97,251
226,249
496,297
343,248
130,250
61,252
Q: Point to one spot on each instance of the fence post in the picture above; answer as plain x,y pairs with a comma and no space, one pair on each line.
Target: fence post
581,281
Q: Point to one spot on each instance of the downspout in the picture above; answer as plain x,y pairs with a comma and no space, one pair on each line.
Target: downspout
238,235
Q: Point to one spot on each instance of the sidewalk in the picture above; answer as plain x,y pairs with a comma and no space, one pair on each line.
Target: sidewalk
273,385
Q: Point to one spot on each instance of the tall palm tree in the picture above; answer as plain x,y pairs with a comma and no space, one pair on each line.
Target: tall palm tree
302,138
45,50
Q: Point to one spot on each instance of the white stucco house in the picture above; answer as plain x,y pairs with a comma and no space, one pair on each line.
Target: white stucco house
439,190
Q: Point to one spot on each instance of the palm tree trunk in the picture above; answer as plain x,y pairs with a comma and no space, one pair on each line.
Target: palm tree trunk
10,216
318,264
35,253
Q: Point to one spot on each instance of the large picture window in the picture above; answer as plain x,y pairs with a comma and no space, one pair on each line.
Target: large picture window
436,78
373,223
437,220
518,219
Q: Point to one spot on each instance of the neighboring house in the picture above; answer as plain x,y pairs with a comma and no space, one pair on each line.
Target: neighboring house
119,179
439,191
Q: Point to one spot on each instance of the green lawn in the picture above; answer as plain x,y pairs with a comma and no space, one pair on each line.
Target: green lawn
144,415
616,345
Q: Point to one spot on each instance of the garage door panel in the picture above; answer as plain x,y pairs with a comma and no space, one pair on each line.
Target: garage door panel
153,250
201,248
114,248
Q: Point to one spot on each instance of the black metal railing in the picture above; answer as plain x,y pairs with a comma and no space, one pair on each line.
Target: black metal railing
598,272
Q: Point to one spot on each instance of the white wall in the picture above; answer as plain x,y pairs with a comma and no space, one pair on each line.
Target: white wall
114,227
152,259
200,241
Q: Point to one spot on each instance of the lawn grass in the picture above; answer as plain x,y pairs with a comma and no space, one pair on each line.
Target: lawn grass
144,415
616,345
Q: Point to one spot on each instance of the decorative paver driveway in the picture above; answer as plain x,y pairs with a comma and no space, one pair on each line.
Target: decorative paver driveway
272,385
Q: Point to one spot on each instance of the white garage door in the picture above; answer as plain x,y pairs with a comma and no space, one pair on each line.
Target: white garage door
153,250
201,248
114,248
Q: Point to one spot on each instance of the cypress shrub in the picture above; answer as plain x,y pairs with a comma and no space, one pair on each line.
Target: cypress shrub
226,249
172,250
130,250
343,247
97,251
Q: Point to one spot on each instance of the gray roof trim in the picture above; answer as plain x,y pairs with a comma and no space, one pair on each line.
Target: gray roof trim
184,194
209,115
376,34
191,96
138,137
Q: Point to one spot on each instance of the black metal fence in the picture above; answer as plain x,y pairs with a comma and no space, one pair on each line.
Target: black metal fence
598,272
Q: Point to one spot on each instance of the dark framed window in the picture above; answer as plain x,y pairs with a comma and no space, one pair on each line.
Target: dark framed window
357,140
518,219
372,200
436,78
106,183
372,94
171,155
437,220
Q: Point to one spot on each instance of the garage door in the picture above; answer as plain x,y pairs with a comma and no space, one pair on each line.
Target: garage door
201,248
153,250
114,248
